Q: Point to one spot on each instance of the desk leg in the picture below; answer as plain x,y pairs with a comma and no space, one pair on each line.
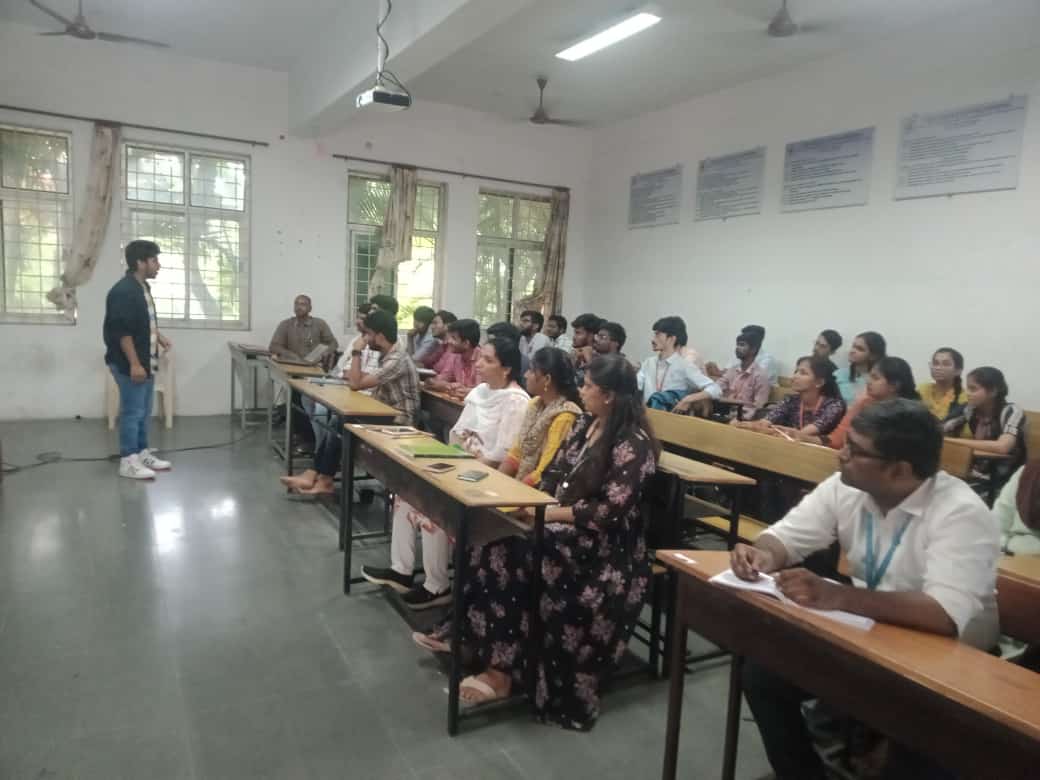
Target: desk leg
729,754
676,652
671,594
232,412
270,410
458,615
734,517
288,431
346,503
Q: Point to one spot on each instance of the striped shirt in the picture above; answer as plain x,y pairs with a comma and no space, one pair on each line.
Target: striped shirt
398,384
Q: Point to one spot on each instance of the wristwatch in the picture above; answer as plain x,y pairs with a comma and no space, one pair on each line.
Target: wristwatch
355,353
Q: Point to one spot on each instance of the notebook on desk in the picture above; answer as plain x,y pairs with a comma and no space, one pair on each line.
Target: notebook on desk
431,448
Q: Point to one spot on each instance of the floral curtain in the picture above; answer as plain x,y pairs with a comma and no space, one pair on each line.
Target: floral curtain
397,229
548,297
80,258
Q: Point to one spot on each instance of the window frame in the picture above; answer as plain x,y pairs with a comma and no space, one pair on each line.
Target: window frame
355,229
512,244
66,232
191,214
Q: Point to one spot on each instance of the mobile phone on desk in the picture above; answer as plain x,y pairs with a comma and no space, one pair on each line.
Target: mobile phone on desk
440,468
472,476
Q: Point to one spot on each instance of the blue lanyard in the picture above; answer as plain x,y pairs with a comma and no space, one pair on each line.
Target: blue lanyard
873,571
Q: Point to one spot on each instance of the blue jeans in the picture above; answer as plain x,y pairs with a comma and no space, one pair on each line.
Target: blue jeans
135,412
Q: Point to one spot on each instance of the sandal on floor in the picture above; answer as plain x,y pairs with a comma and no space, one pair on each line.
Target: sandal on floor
430,642
487,694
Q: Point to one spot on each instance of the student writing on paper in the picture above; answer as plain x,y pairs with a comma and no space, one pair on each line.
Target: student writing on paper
922,550
487,427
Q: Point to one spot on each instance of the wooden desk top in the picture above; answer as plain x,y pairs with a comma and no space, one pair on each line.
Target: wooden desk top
1025,568
493,491
288,370
450,399
702,473
1002,691
342,400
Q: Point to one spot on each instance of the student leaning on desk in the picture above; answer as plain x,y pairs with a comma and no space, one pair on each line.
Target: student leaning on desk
922,550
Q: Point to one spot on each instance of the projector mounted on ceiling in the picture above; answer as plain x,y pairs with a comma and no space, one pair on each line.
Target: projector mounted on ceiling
388,93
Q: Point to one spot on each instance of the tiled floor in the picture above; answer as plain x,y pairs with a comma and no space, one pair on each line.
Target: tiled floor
194,627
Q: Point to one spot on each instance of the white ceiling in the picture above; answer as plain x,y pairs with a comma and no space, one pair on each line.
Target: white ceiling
700,46
262,33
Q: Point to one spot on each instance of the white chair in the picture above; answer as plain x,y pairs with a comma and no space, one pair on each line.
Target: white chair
164,386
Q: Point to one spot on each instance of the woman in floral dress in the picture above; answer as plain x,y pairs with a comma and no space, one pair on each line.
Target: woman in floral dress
595,568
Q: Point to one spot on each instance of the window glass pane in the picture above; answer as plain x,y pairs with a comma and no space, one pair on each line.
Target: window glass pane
367,201
213,276
491,294
427,208
154,176
34,161
218,183
526,271
533,219
169,231
365,253
415,279
496,216
32,234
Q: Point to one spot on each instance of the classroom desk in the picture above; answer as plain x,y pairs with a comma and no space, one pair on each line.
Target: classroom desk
443,409
245,362
279,374
1018,597
454,505
969,710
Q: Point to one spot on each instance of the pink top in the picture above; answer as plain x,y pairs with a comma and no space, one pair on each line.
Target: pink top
453,367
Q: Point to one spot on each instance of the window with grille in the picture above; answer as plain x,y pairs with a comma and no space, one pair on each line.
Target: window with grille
510,252
35,222
195,206
415,282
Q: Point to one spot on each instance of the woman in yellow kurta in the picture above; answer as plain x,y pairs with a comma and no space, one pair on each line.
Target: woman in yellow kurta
549,417
944,395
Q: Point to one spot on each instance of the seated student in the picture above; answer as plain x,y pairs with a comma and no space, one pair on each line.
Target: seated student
549,416
746,382
814,408
921,547
1017,510
487,427
421,341
891,377
595,568
866,350
585,327
665,378
387,303
944,395
609,340
299,335
395,384
556,330
438,329
826,344
991,423
764,359
457,375
531,337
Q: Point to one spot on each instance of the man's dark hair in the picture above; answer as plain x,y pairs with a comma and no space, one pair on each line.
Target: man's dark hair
387,303
424,314
139,250
903,430
832,337
364,309
503,330
536,317
447,317
589,322
756,329
508,354
751,338
379,321
672,326
560,320
467,330
616,332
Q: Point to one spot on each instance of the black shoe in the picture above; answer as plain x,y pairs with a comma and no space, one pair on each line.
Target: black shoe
402,583
420,598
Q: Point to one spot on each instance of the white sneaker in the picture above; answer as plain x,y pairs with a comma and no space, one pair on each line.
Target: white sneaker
149,460
131,467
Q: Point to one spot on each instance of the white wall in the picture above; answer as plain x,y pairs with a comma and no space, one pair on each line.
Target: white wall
299,201
961,271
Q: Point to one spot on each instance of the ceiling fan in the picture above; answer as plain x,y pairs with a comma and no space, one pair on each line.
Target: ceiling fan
779,23
541,116
78,28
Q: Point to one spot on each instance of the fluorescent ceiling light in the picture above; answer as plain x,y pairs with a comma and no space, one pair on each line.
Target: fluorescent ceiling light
608,37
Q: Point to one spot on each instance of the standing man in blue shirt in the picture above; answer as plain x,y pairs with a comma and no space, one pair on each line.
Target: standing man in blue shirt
132,341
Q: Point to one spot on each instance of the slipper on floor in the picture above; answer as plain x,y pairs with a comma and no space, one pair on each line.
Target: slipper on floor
487,694
427,642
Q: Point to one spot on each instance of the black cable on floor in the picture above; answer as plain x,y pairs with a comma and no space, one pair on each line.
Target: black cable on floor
46,458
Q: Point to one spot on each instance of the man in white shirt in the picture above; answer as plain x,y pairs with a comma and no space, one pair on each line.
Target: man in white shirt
531,337
922,550
556,331
665,377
